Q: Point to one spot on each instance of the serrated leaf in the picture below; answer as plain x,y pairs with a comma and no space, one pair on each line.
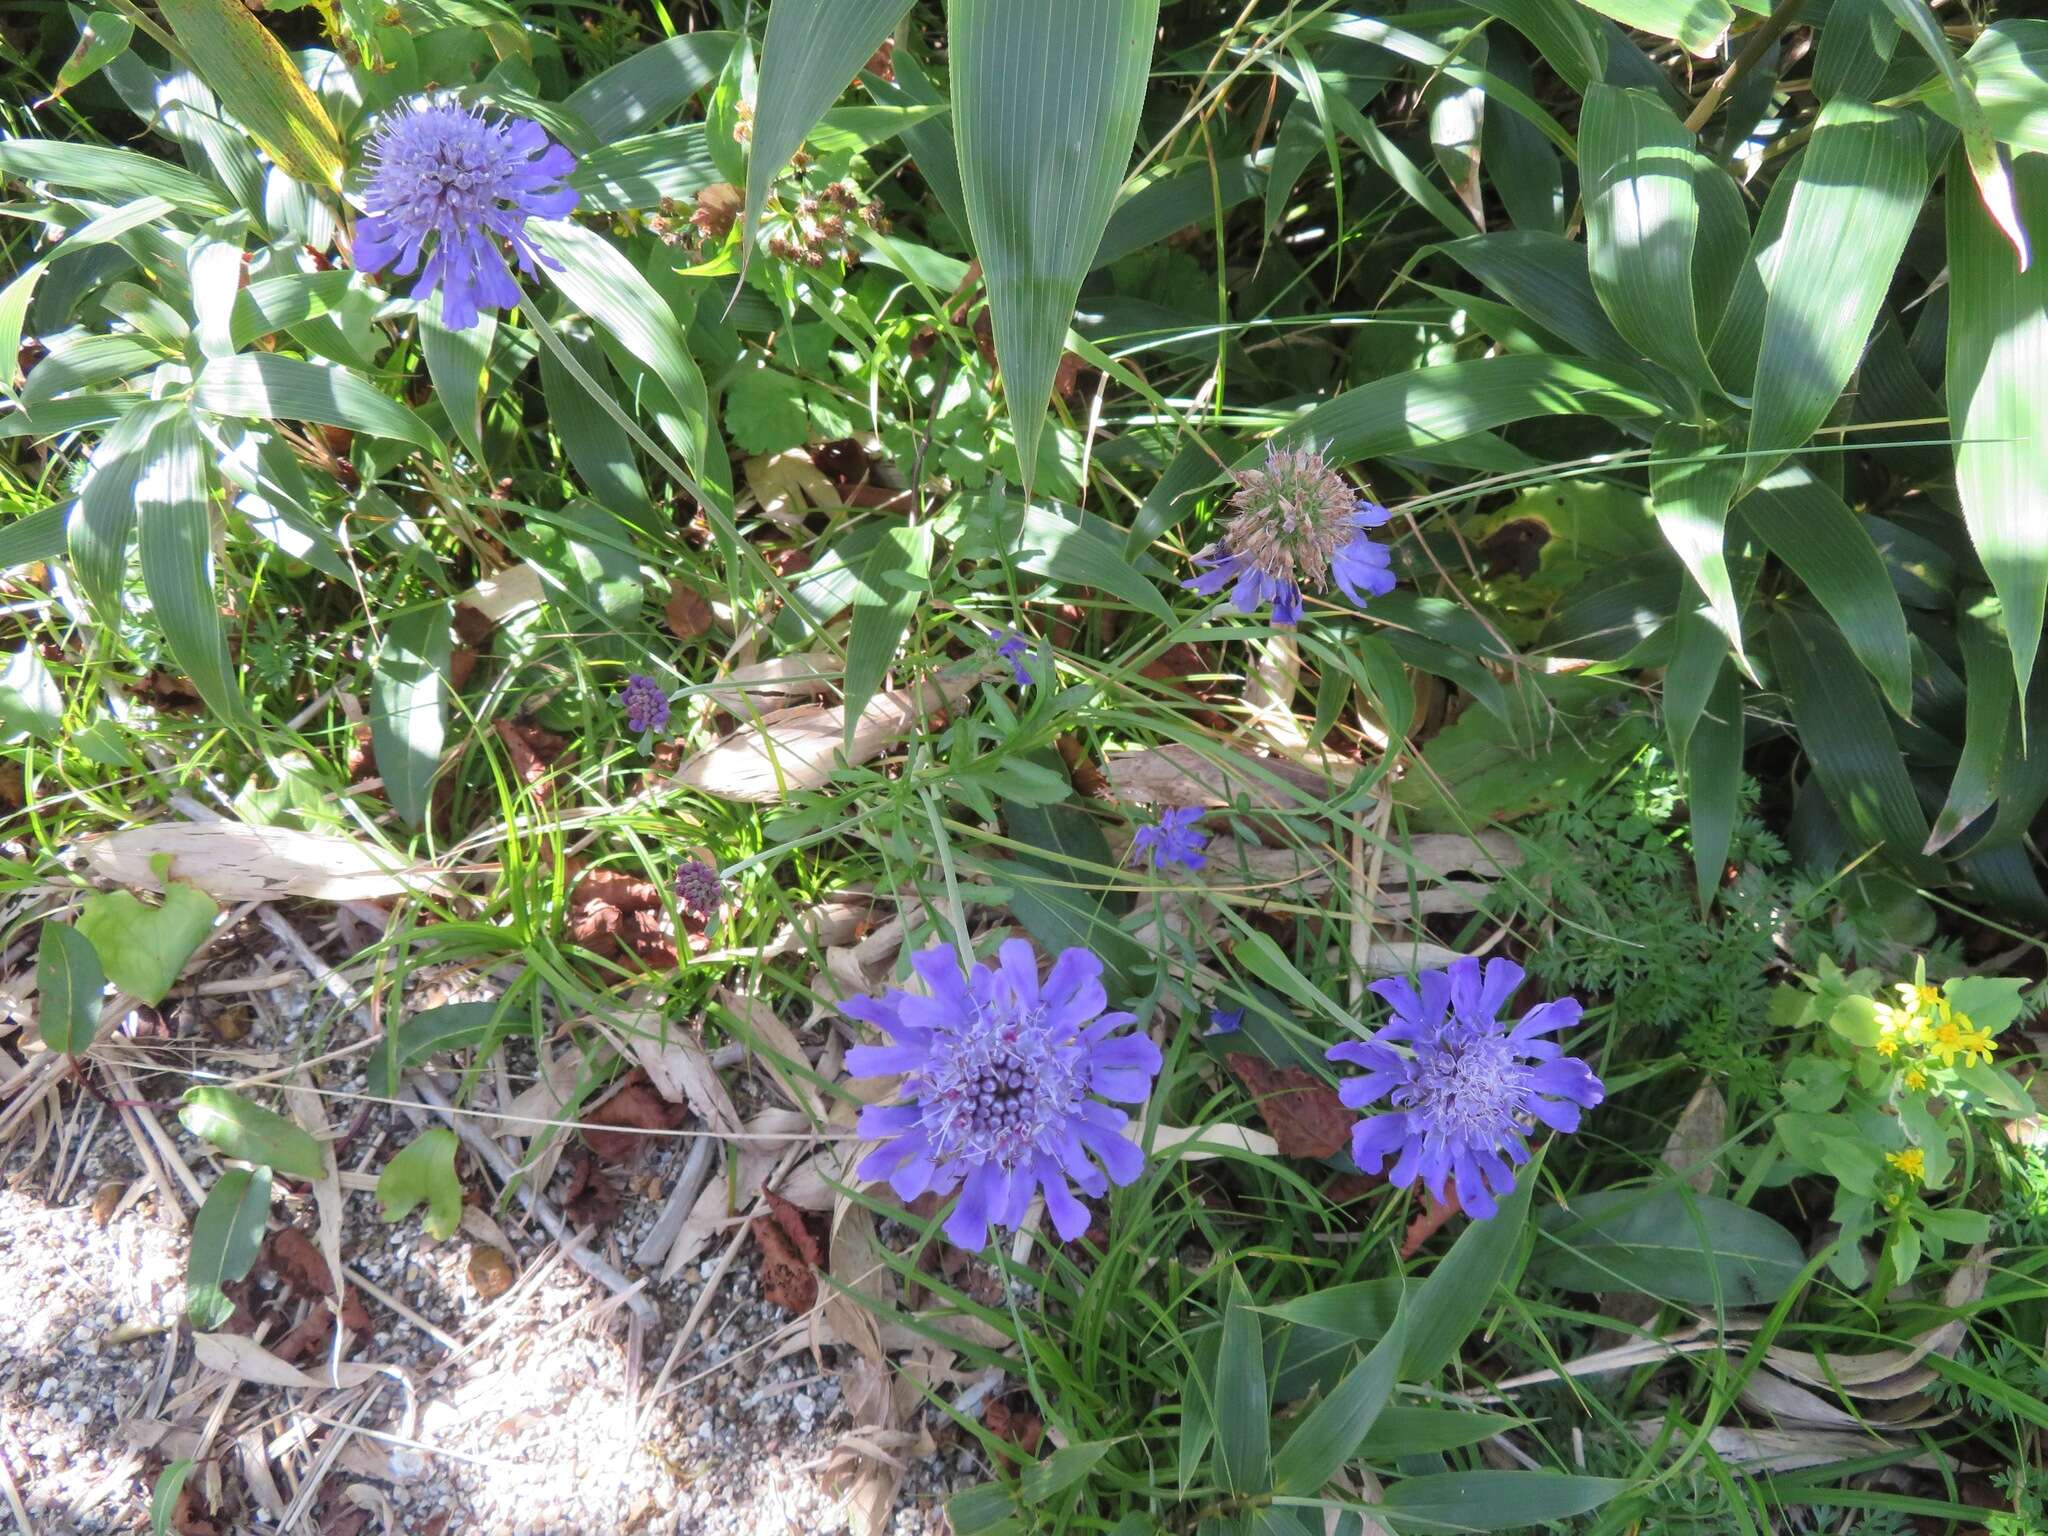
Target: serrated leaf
259,85
69,984
226,1236
1037,83
1859,187
423,1173
144,949
246,1130
409,706
1997,383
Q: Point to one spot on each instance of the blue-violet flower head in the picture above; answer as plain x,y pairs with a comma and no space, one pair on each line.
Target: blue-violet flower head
1225,1021
1175,840
444,173
1464,1087
1004,1078
1014,649
645,704
699,891
1297,525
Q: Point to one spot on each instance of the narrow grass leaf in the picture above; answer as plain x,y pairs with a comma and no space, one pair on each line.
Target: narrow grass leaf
248,1131
1997,383
174,495
1458,1291
409,706
1693,482
69,983
226,1236
259,86
645,87
1039,84
267,386
1713,777
1989,708
1331,1433
1860,187
1244,1423
1061,1470
811,52
1486,1500
456,362
895,578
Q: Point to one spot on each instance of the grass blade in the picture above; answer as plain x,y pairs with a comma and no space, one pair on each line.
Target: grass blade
409,707
174,508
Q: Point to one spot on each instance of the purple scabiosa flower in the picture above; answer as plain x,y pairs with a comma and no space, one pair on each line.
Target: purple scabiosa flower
1225,1021
1174,841
699,891
645,704
440,171
1014,649
1464,1087
1296,525
998,1072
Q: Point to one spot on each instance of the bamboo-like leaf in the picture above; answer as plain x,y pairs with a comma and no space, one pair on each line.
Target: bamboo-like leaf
102,38
1696,25
225,1238
1827,546
115,173
1997,386
894,579
2007,68
39,536
1692,485
1460,1288
1860,188
1569,40
1988,702
1046,96
1713,777
1643,222
1856,45
1243,1460
644,88
810,54
409,706
456,361
103,522
1980,146
640,172
267,386
174,513
596,445
1335,1427
1458,1503
1547,278
259,85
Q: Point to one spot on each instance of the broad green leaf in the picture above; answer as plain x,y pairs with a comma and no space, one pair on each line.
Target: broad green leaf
1989,707
1546,277
259,85
895,579
248,1131
144,948
640,172
1713,777
1431,406
267,386
1856,45
121,174
31,703
1331,1433
174,496
598,280
597,446
1860,186
423,1173
450,1027
457,362
37,537
1061,1470
1062,892
1450,1303
1064,544
2007,70
103,521
1667,1242
1829,548
1405,1431
1842,725
409,706
1570,42
645,87
273,304
1693,481
82,361
1696,25
102,38
163,1498
811,52
1038,83
1988,167
1467,66
1459,1502
1997,383
1740,332
226,1236
1243,1460
69,982
1642,224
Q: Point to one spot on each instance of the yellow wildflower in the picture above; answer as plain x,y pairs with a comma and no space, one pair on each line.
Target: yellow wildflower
1887,1045
1912,1162
1914,1079
1957,1036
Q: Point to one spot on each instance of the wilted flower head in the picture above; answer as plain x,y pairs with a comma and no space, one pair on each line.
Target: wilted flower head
998,1068
443,172
1174,841
1465,1087
1014,649
1296,526
698,888
645,704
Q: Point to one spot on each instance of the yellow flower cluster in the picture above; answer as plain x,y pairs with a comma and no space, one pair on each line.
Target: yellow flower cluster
1912,1162
1923,1022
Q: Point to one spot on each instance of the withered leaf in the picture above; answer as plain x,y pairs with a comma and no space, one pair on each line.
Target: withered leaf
688,612
787,1253
1303,1112
635,1107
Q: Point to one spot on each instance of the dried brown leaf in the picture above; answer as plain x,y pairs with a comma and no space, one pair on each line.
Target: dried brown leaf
688,612
1304,1113
788,1252
635,1107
